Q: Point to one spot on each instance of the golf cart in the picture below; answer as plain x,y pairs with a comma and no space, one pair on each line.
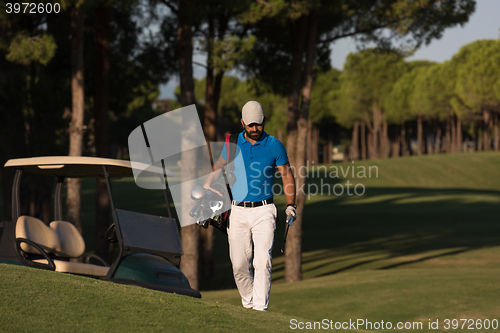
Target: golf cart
149,247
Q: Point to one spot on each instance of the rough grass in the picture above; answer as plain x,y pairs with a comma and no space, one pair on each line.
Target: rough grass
43,301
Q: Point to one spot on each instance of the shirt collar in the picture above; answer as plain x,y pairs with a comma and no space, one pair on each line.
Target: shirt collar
262,141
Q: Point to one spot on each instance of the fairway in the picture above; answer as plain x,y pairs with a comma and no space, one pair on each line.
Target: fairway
422,244
405,295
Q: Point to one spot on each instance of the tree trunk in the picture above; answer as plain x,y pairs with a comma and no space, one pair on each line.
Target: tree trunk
369,143
310,143
453,131
213,82
477,141
420,132
376,135
490,131
486,132
354,141
74,185
316,143
448,136
404,147
347,154
220,126
189,234
430,138
210,130
438,143
363,140
294,91
293,254
210,122
206,248
396,142
279,135
103,52
384,146
459,145
495,128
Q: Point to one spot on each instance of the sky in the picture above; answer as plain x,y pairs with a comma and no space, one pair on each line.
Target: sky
484,23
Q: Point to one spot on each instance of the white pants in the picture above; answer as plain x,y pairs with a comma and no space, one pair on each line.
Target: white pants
251,236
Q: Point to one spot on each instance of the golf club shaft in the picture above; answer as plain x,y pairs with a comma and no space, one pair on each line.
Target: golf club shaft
284,240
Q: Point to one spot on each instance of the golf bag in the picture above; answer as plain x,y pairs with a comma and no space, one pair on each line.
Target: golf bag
211,208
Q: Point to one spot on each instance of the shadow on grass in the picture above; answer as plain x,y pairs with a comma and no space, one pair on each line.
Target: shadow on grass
392,227
386,228
426,258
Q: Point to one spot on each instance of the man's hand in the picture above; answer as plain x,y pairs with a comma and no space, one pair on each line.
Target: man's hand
289,189
219,164
208,187
290,214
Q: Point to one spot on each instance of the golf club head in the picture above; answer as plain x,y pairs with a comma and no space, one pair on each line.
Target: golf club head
202,221
195,211
197,192
215,205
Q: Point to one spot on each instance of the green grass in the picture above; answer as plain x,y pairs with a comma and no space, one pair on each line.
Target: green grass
421,243
43,301
417,209
451,171
404,295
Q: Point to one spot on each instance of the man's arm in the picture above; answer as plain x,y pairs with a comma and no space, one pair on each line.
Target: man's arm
218,165
288,182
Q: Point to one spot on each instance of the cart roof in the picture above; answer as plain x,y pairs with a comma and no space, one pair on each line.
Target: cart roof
80,166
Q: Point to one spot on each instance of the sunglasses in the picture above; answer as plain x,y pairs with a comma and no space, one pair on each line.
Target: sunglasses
254,125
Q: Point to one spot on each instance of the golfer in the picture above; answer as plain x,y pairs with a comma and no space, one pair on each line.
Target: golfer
253,214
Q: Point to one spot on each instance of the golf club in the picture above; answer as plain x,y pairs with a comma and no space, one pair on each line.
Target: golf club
205,209
289,222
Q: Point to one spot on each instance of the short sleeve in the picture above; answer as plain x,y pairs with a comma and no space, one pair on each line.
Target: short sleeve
280,153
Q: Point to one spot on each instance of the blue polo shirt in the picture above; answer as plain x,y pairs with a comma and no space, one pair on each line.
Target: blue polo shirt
255,167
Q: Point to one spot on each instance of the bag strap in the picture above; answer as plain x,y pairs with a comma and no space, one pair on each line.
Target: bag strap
230,153
227,140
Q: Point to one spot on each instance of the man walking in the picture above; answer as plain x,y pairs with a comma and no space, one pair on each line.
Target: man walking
253,214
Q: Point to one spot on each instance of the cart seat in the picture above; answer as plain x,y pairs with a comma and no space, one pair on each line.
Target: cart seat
77,267
61,239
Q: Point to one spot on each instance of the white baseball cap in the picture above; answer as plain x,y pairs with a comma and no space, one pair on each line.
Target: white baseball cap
252,112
